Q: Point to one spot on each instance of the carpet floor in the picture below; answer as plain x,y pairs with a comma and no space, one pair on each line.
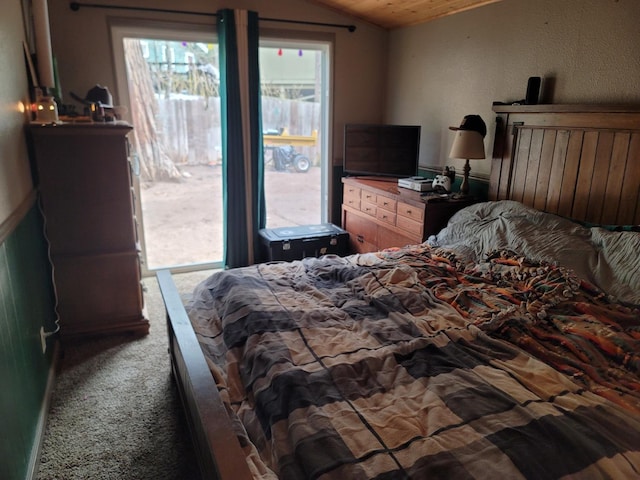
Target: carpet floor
115,412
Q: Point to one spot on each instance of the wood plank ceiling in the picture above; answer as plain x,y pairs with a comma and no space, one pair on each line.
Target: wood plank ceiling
391,14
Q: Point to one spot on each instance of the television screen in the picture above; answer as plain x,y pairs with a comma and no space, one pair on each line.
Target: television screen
381,150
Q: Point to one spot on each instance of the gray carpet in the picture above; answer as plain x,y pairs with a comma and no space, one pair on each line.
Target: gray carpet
115,412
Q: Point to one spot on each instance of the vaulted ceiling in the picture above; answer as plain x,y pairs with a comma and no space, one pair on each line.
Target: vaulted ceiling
401,13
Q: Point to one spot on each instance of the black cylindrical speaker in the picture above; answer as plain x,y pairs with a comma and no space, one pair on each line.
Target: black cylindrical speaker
533,90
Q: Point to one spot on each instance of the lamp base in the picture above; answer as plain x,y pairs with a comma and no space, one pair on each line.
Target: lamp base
464,186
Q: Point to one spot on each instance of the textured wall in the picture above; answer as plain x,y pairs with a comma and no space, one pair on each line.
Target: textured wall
15,178
443,70
25,288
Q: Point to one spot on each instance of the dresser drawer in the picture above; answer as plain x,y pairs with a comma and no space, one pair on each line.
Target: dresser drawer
351,191
369,197
368,208
409,225
352,201
386,216
386,203
394,237
363,233
411,211
81,285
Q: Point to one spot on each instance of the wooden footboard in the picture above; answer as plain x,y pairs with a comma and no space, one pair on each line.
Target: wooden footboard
216,446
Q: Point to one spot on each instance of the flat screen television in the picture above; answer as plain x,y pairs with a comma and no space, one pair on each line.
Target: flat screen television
381,150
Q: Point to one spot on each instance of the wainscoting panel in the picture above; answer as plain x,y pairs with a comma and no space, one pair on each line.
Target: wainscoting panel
26,304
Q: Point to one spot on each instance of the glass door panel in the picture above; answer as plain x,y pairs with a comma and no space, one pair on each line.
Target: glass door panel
294,118
172,82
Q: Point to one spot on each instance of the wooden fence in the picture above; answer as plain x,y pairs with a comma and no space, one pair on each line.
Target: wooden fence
191,126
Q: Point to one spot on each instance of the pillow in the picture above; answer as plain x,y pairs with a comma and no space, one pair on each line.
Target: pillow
611,228
606,259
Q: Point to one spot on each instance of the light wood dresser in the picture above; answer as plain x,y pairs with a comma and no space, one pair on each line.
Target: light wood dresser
83,175
378,214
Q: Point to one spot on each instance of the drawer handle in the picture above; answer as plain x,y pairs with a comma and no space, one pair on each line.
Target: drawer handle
134,163
385,203
409,211
360,238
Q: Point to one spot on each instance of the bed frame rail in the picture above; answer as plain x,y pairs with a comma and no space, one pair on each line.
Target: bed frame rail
208,421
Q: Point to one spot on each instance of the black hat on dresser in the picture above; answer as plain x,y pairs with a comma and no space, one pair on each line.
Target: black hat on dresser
472,123
97,95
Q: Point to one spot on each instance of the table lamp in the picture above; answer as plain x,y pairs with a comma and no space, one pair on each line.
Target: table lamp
468,144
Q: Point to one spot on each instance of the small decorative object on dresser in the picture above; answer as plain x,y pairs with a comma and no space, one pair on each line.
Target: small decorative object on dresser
84,181
377,214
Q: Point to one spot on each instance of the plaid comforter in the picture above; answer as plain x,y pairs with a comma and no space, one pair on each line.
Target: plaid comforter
410,364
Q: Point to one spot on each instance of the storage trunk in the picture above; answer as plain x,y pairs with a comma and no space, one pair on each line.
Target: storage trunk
295,243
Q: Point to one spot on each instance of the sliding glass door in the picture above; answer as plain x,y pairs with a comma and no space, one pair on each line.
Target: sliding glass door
171,82
169,79
295,111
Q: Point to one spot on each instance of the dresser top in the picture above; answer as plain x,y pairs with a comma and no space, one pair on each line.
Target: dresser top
110,128
383,185
388,187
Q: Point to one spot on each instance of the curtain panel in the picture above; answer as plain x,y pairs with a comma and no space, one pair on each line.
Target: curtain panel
242,148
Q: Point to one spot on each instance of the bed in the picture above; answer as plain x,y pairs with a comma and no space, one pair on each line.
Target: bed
506,346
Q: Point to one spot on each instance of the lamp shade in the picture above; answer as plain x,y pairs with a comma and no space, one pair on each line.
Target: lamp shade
467,144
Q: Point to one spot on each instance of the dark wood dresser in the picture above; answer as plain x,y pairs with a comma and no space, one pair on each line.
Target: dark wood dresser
378,214
83,174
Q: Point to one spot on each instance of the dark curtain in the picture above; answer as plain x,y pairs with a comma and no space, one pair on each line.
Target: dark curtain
242,150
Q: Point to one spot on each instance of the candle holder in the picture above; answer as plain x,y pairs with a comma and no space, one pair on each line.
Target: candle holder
45,109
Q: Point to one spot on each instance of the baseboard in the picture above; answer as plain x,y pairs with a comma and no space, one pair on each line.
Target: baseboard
34,461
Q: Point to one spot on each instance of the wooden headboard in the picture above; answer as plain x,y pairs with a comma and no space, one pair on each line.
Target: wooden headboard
578,161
